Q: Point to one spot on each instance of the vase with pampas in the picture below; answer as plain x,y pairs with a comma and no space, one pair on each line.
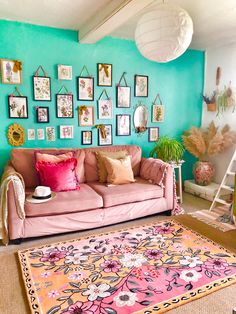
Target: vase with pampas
204,143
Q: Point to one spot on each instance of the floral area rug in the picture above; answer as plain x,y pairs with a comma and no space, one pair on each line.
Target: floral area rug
219,218
147,269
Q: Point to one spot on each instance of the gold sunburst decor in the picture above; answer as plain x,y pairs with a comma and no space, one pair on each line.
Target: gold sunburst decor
16,135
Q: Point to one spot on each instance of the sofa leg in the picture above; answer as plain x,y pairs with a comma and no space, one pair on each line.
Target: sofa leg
16,241
168,212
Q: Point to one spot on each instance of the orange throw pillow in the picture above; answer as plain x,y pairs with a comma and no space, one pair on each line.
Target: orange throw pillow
119,170
102,171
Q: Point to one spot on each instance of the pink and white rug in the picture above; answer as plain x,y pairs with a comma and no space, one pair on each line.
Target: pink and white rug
147,269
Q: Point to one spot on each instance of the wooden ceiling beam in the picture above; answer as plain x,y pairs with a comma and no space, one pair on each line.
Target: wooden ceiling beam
110,18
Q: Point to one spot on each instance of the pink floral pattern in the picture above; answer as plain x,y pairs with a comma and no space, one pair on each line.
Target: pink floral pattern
126,271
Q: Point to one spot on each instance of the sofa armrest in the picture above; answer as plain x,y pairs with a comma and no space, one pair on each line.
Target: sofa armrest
160,173
12,202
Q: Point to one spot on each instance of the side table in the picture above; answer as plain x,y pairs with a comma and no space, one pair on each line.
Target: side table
178,168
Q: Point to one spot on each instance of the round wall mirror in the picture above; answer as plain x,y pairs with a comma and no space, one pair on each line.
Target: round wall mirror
16,135
140,119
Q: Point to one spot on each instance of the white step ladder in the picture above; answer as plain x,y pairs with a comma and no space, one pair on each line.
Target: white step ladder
230,172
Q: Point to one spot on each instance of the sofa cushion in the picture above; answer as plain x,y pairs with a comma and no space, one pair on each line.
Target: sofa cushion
23,160
65,202
138,191
90,162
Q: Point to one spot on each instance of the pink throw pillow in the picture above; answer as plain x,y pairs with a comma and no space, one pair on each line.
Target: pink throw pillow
55,158
59,176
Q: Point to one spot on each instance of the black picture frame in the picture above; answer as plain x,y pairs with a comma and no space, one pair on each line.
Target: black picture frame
99,74
79,88
34,88
82,138
23,113
118,97
139,94
118,130
38,119
149,133
100,138
57,106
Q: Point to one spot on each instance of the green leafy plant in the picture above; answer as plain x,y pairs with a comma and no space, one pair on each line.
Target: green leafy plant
168,149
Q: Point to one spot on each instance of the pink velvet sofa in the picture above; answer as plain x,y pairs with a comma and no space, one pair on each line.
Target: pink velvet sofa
94,205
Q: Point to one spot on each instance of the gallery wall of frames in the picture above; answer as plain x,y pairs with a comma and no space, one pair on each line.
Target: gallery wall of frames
65,94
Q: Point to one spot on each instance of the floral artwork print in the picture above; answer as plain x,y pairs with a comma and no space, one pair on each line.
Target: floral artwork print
147,269
104,74
42,88
50,134
42,114
158,113
11,71
85,88
18,107
123,125
141,86
64,72
65,106
86,116
31,134
103,141
66,131
105,109
123,96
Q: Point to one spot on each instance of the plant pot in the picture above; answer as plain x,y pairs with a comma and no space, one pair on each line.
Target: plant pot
203,172
211,107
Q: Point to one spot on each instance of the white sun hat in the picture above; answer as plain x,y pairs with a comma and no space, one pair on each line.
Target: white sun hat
41,194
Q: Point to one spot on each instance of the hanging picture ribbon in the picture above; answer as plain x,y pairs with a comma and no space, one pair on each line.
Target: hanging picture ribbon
42,69
157,97
64,88
16,92
123,78
84,69
103,92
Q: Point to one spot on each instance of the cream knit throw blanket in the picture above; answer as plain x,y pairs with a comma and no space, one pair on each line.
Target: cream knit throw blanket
10,176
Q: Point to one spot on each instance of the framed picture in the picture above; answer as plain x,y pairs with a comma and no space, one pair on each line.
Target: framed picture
42,114
85,86
104,109
123,127
104,74
86,116
141,86
42,88
40,134
123,96
64,72
31,134
65,106
50,134
153,134
11,71
18,107
67,131
157,113
108,140
86,138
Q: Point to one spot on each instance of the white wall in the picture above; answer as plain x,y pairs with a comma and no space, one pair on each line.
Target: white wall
225,57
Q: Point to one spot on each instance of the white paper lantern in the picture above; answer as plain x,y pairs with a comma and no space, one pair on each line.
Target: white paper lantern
164,33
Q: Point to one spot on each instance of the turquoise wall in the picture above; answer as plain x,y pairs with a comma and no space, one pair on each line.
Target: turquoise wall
180,83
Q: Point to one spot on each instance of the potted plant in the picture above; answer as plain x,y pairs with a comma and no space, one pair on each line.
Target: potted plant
210,101
168,149
204,143
225,100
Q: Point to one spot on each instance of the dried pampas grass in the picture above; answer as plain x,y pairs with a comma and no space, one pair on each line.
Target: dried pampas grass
204,143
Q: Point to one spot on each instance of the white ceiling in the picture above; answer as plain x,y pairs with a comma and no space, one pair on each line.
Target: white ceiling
214,20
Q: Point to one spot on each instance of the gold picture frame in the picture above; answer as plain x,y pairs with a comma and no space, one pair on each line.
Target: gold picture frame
16,135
